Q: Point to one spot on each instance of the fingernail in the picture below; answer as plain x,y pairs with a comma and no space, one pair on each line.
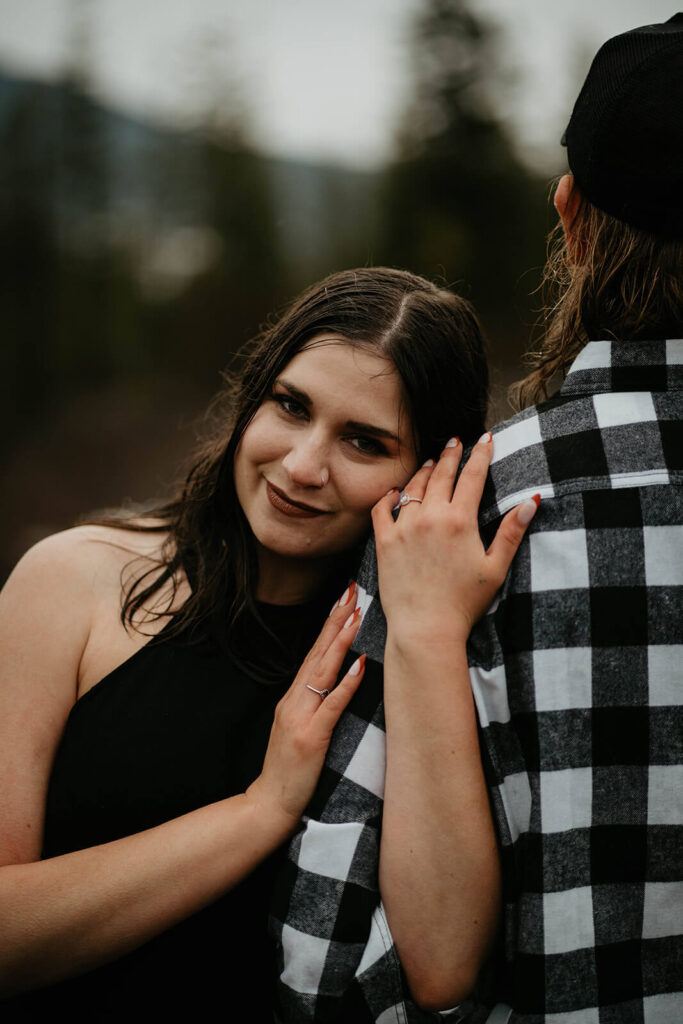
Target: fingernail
429,462
357,665
527,511
453,443
485,438
352,619
345,598
392,490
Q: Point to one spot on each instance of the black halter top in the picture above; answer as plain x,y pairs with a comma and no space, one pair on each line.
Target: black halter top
176,726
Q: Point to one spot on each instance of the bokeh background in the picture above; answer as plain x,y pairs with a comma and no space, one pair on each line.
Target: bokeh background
172,171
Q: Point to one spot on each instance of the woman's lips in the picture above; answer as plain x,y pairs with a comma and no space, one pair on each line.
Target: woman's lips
280,501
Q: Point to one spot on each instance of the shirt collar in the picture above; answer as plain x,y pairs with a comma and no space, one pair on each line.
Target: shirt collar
626,366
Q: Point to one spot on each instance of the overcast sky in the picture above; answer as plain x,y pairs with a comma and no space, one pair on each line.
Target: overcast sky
319,79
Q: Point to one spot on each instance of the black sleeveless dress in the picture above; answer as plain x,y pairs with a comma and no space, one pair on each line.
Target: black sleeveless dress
175,727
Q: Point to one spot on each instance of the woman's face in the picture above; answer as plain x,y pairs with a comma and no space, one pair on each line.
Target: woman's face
326,444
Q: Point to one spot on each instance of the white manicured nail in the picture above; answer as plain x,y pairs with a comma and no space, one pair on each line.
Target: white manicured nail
345,598
353,617
527,511
453,443
429,462
485,438
355,668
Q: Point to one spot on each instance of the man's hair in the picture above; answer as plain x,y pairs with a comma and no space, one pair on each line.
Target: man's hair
612,281
618,275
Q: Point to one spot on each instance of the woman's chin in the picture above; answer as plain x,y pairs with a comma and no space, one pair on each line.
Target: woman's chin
305,540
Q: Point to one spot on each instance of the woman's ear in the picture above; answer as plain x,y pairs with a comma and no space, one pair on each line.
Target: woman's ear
567,202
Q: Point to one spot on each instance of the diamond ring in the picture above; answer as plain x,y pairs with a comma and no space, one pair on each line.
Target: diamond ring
405,499
321,693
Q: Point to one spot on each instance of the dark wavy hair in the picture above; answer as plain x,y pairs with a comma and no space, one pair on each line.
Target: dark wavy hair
612,282
433,339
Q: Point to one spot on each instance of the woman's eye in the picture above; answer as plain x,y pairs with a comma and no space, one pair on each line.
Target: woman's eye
289,405
368,445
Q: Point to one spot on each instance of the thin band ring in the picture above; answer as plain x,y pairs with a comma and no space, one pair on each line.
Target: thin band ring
405,499
321,693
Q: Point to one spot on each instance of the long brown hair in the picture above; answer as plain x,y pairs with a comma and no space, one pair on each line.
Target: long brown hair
435,343
611,282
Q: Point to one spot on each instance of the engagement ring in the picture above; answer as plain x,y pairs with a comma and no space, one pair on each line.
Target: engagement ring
405,499
321,693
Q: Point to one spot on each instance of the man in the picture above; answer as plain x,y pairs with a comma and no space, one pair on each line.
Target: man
576,670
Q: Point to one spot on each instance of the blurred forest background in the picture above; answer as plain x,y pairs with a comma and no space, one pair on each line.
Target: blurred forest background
135,258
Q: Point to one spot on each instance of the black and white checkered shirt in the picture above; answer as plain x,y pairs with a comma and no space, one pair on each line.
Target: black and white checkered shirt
577,673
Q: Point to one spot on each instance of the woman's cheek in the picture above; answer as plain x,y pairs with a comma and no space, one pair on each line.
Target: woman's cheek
375,488
264,437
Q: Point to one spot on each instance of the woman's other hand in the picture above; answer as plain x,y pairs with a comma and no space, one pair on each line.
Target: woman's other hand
307,714
435,576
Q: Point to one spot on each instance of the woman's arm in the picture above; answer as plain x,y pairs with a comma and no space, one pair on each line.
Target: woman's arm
439,869
66,915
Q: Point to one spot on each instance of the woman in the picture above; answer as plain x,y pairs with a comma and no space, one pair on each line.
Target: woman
154,756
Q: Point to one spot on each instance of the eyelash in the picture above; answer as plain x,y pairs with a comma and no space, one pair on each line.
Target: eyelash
286,402
376,447
291,407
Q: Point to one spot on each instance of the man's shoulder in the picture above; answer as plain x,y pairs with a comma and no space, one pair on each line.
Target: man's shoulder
521,445
584,442
531,413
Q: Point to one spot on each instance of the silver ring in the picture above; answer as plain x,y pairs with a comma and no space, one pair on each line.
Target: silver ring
321,693
405,499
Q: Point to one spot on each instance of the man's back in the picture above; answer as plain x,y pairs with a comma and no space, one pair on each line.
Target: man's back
577,678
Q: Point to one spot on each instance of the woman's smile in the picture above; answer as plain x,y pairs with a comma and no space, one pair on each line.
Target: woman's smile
283,503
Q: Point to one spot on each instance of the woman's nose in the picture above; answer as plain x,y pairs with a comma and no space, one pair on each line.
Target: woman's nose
306,463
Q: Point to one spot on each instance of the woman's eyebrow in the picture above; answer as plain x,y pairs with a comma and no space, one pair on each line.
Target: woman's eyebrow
362,428
369,428
300,396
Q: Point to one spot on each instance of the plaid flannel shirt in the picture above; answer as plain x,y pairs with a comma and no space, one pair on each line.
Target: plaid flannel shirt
577,678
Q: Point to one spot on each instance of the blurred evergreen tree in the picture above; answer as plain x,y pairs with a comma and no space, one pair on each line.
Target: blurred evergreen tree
459,202
29,262
85,341
238,269
225,303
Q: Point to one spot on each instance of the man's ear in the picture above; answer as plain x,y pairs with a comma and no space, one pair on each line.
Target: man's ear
567,202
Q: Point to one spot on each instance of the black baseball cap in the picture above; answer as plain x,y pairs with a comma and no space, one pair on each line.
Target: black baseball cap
625,136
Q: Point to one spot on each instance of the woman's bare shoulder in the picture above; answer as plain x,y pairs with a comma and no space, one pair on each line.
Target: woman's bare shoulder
61,596
76,568
141,537
82,550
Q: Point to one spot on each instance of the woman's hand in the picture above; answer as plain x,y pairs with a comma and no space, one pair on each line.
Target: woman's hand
435,576
439,869
304,719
